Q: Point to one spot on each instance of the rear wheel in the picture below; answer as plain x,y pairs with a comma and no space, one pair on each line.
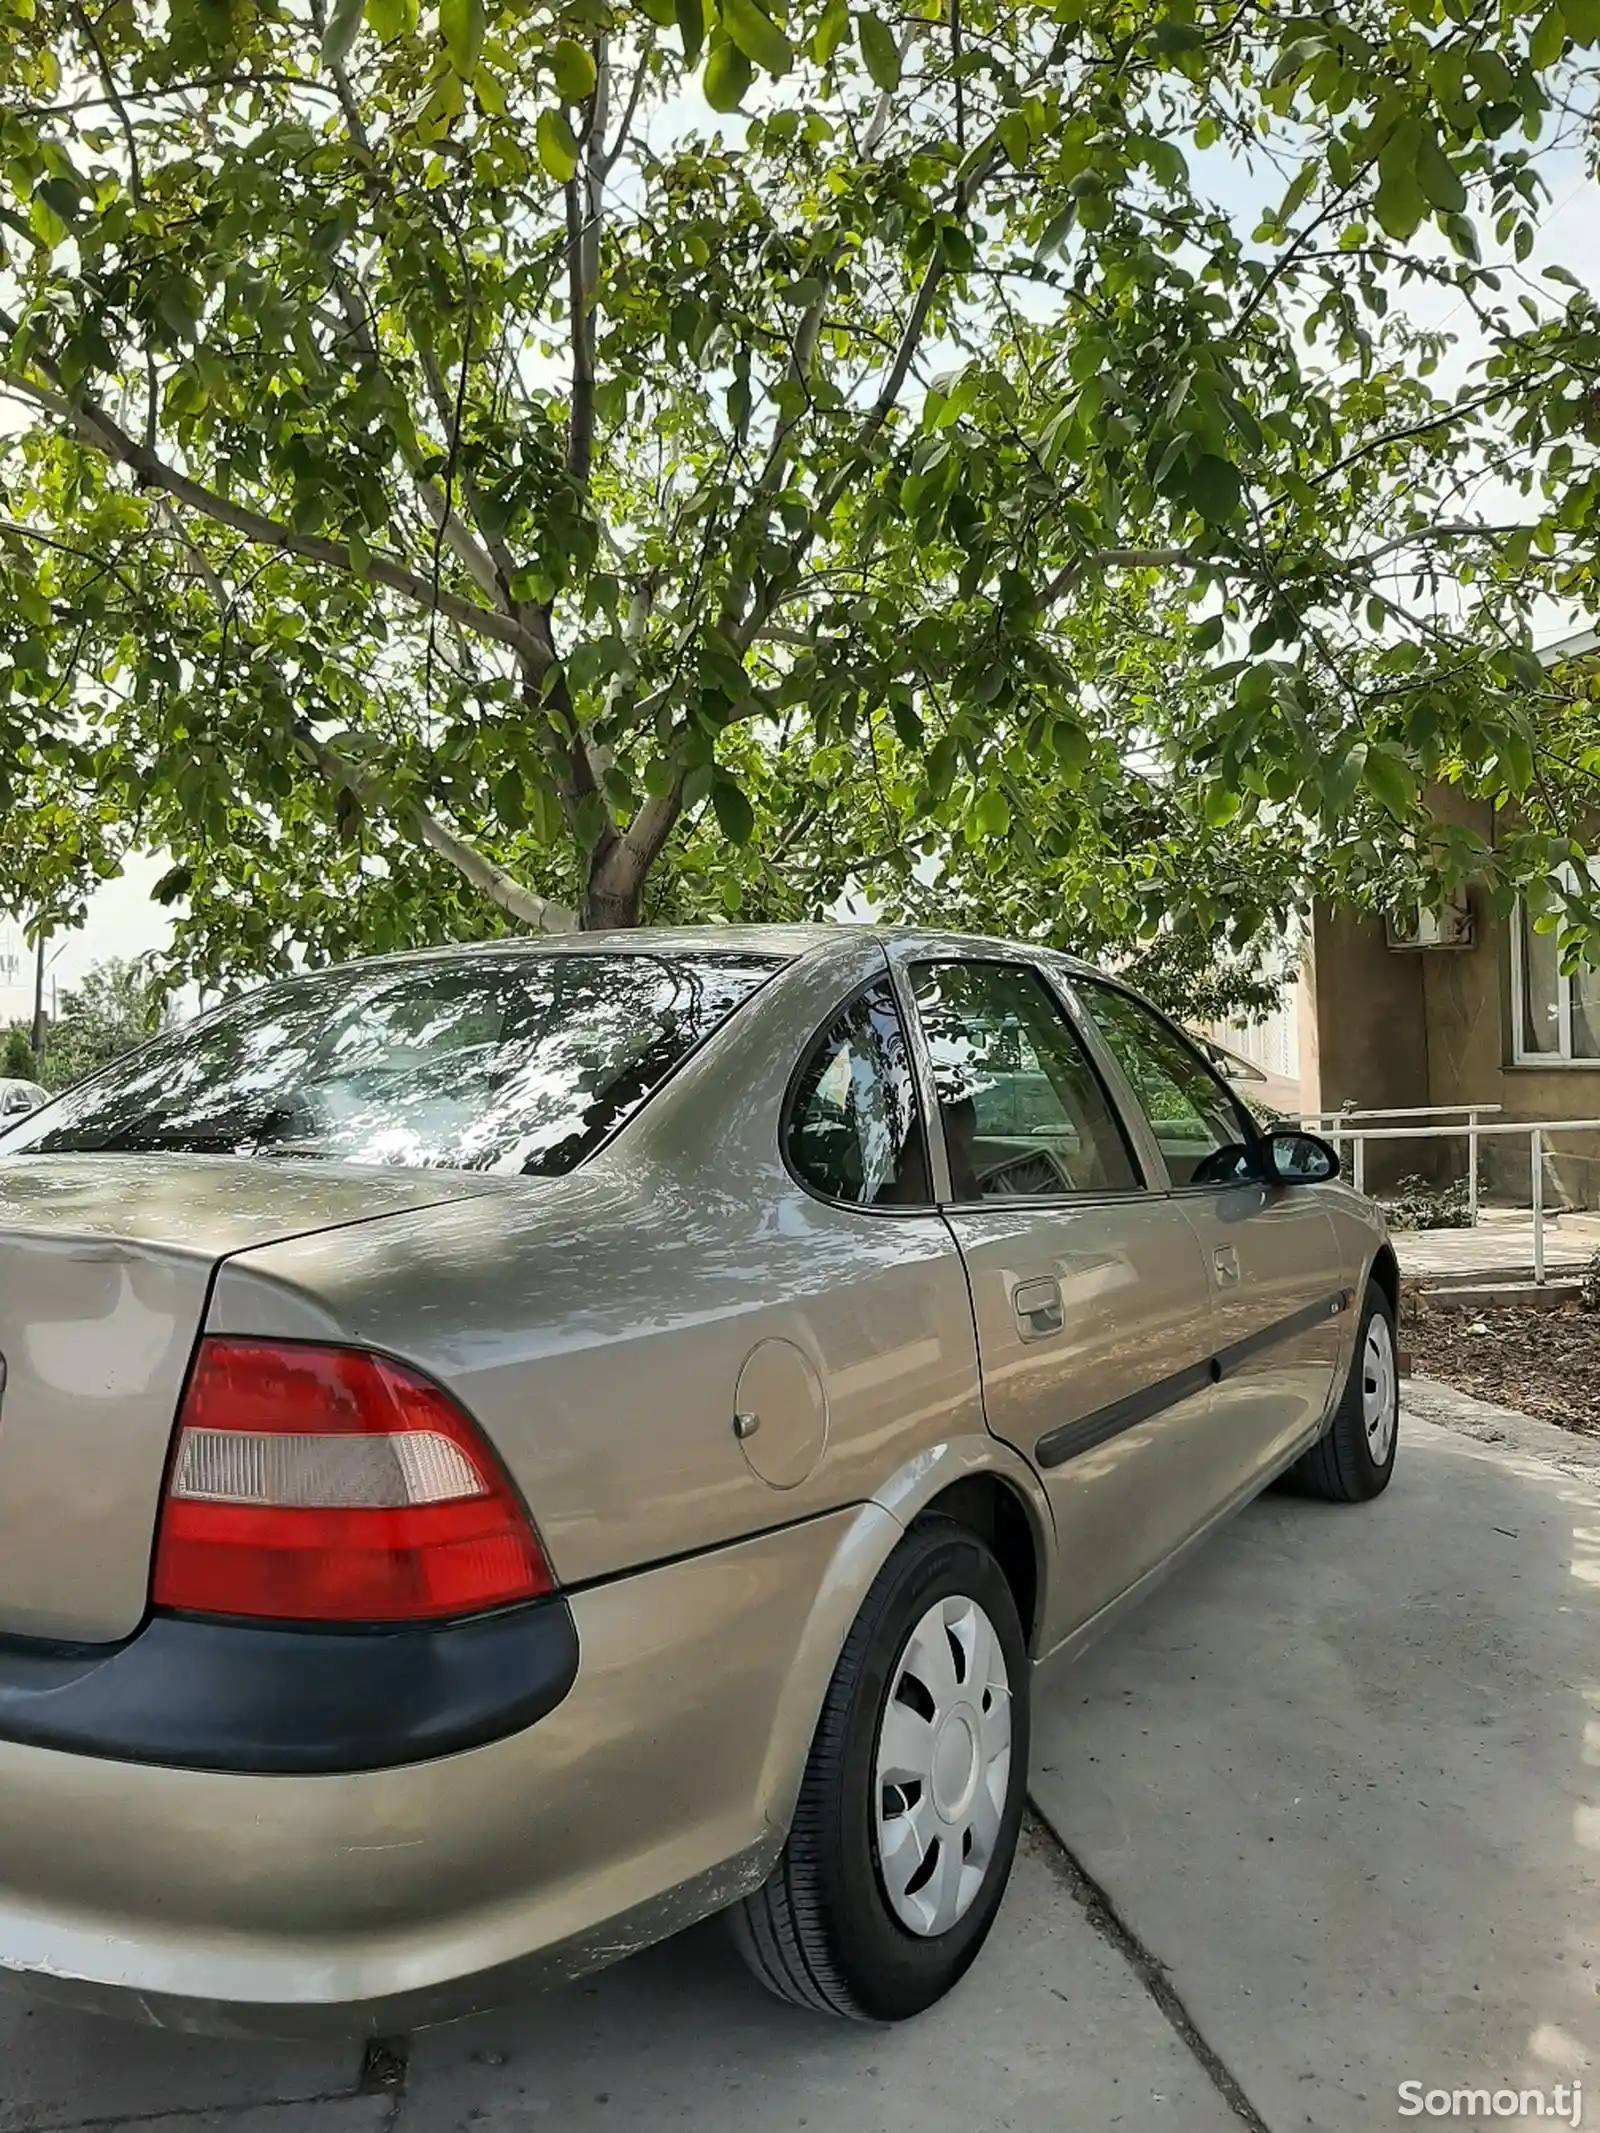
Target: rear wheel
1352,1461
907,1820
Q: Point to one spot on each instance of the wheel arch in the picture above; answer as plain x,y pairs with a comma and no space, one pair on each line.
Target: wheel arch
993,1508
972,1479
1385,1271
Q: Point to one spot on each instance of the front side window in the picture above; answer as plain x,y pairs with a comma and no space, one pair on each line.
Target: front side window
1557,1017
854,1130
1203,1134
521,1063
1023,1109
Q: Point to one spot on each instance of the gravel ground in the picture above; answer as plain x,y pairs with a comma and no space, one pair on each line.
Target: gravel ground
1544,1362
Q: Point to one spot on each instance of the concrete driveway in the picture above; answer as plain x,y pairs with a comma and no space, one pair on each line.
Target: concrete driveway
1328,1816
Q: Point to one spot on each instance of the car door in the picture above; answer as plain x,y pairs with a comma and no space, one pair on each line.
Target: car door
1270,1251
1089,1290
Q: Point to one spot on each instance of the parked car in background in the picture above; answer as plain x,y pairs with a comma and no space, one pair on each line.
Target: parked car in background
508,1451
18,1099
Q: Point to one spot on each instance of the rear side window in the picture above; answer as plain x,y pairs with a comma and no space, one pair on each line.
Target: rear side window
519,1063
854,1130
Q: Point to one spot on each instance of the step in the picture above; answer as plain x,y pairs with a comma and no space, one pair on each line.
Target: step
1488,1295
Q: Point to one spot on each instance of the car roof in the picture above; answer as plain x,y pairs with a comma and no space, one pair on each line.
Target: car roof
790,942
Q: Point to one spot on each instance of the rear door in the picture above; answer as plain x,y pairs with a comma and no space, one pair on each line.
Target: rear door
1270,1252
1089,1289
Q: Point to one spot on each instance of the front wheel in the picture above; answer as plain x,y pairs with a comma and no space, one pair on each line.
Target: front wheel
907,1820
1353,1459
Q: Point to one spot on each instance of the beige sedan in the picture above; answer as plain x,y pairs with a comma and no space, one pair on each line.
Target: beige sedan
507,1451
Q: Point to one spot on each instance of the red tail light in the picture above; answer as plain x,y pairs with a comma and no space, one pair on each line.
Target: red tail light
332,1485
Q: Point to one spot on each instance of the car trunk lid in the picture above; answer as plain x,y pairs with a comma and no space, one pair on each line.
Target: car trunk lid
106,1263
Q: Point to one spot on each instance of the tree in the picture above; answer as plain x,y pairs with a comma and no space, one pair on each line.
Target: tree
17,1062
567,459
119,1004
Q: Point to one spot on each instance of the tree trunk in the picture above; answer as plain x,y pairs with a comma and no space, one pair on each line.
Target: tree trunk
605,907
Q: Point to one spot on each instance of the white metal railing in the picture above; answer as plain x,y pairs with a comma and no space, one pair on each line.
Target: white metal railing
1328,1122
1475,1130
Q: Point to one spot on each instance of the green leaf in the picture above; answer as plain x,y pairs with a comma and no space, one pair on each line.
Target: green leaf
1582,18
1214,487
728,75
1173,36
389,19
1072,746
176,882
1219,805
592,820
881,50
1516,759
831,31
1208,634
1056,231
461,24
991,813
488,88
735,816
558,149
1015,139
340,33
691,16
1437,177
697,785
757,35
1399,204
573,69
1390,779
45,222
1549,37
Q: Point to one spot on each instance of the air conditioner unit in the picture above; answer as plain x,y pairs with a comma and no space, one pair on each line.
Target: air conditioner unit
1448,927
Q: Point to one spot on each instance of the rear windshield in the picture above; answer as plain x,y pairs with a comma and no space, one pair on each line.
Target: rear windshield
516,1063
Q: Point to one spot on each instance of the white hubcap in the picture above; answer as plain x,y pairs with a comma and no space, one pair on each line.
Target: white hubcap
943,1766
1380,1388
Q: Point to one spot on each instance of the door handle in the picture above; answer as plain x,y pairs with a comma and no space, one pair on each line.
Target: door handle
1225,1259
1038,1308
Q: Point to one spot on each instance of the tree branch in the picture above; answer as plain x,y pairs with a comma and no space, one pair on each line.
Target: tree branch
609,159
380,192
491,879
485,874
99,429
136,184
463,543
585,200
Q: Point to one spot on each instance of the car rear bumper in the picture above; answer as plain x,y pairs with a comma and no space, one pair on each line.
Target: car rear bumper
207,1695
655,1791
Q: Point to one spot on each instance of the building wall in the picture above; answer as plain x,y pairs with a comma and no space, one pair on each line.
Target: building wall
1433,1026
1467,997
1370,1047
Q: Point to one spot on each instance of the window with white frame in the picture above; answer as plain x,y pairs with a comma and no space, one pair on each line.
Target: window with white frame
1555,1018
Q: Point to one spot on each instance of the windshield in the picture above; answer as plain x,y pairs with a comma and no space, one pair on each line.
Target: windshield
519,1063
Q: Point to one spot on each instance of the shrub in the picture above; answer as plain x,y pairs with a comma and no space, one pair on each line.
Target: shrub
1414,1203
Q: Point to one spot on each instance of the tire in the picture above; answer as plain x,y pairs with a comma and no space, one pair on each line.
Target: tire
1352,1461
847,1922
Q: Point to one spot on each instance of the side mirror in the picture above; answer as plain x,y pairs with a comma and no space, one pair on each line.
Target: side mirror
1296,1158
